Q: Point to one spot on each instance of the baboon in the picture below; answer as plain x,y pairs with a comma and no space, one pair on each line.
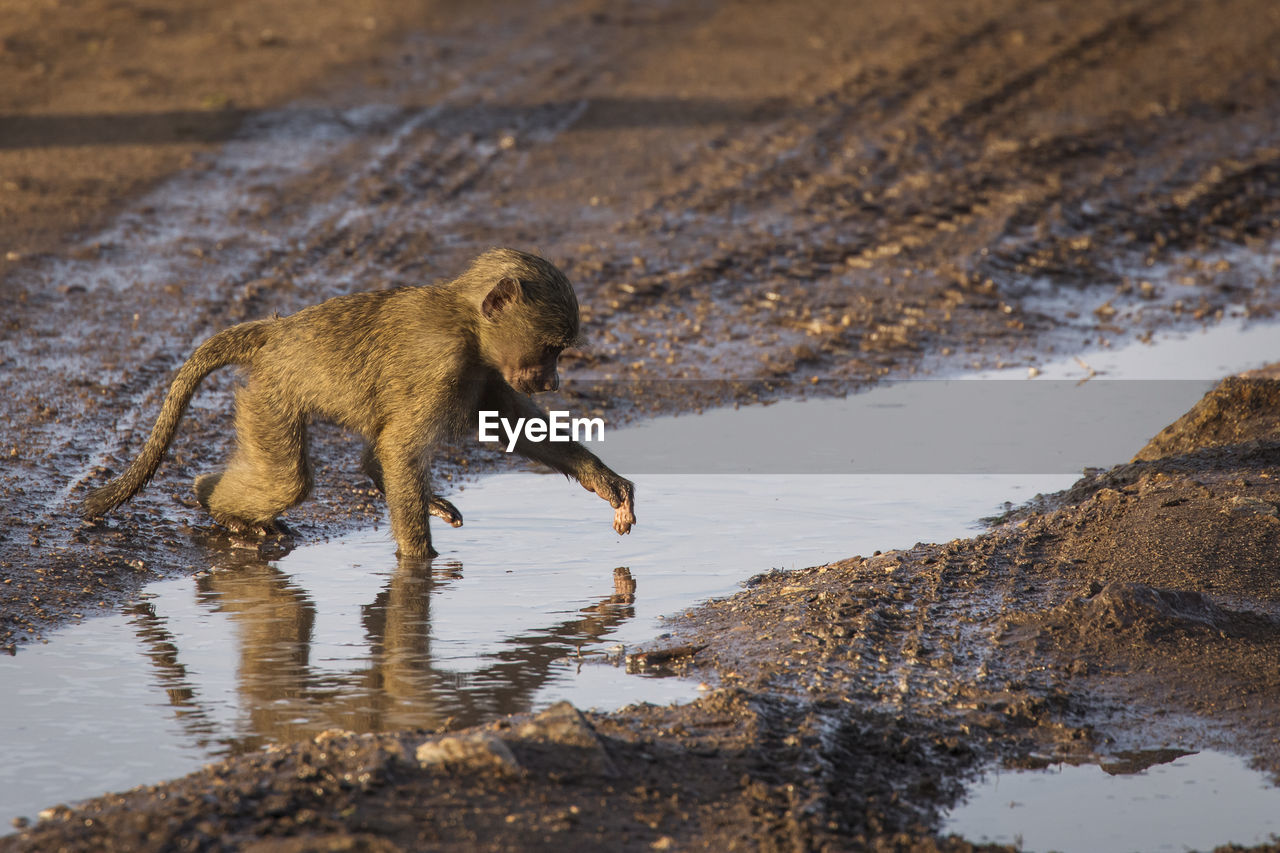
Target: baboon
406,368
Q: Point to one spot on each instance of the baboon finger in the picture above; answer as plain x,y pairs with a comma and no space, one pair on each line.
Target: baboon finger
623,518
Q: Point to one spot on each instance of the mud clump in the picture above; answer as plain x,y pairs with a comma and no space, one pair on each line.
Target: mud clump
1133,609
655,778
1241,409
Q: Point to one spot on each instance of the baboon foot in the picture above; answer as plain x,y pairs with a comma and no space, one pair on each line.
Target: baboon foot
411,557
273,540
252,529
416,566
416,546
237,526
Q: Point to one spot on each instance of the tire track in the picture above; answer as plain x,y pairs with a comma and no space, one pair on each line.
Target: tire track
195,237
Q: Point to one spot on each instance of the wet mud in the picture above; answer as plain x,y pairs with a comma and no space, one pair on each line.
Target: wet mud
743,191
849,704
896,184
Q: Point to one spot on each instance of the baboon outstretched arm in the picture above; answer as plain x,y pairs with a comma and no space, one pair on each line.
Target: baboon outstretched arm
567,457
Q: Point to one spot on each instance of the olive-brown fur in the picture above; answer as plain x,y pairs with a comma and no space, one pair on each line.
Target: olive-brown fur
405,368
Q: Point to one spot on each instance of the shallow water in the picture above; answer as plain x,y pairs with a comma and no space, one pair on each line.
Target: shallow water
1092,410
337,636
524,601
1192,802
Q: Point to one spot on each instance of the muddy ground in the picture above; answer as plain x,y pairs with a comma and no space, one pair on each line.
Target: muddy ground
853,701
766,192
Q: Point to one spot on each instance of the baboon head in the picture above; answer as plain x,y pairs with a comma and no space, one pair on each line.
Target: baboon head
528,316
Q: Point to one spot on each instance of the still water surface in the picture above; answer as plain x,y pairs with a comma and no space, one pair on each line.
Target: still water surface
1192,802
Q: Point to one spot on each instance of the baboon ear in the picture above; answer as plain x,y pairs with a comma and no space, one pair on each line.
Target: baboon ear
505,291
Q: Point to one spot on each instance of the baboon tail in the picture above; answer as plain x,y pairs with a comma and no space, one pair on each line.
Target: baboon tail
230,346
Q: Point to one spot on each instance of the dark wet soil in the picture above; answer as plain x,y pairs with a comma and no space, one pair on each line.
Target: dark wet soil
769,191
852,701
766,191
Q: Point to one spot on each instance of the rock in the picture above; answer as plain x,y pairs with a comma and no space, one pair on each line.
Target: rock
1125,608
481,752
663,656
563,741
1120,606
1246,506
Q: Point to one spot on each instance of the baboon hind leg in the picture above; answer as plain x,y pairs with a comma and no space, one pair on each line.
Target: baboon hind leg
269,471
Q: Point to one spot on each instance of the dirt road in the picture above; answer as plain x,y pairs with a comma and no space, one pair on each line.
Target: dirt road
770,191
854,700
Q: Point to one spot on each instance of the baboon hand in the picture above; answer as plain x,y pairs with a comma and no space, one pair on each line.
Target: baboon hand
624,516
445,511
621,495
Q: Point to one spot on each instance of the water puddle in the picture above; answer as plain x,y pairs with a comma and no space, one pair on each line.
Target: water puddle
1092,410
1192,801
524,598
336,635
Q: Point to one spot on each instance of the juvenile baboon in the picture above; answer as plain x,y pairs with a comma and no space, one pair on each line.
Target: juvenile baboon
405,368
